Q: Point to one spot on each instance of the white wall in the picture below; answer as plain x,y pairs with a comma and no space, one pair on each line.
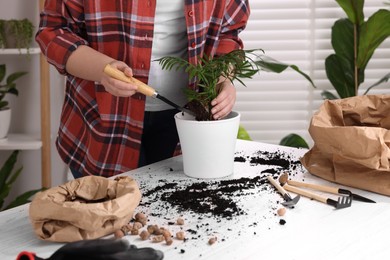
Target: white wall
26,107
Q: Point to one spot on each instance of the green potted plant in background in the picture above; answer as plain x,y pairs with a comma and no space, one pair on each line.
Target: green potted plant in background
2,33
16,33
7,179
7,87
208,145
354,41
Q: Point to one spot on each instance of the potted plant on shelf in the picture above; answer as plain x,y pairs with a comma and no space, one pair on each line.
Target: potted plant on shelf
354,41
208,145
7,87
16,33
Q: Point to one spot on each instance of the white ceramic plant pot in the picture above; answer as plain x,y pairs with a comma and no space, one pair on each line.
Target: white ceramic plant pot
5,121
208,147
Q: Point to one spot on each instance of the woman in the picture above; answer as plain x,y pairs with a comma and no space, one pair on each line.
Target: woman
106,126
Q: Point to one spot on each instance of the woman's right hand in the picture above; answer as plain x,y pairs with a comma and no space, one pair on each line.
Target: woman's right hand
87,63
117,87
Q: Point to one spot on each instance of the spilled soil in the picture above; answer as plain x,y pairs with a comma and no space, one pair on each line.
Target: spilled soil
225,208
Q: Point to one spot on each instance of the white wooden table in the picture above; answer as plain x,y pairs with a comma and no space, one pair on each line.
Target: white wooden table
312,230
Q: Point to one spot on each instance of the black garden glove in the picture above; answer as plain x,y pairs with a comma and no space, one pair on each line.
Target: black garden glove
98,249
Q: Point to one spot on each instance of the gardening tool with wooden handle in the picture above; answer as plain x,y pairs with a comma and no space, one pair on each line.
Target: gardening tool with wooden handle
342,202
289,202
329,189
142,87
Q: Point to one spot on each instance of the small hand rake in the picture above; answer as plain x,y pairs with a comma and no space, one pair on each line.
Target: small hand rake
342,202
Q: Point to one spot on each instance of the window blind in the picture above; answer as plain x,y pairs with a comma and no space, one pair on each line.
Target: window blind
295,32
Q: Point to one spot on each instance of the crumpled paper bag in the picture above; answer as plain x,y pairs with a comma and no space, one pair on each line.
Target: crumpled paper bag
86,208
351,142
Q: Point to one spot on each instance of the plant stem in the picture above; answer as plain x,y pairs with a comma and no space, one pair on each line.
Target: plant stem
355,46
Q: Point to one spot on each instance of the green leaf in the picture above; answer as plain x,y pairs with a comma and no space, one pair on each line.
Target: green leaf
3,194
382,80
22,199
328,95
343,39
353,9
243,134
372,33
6,169
14,76
294,140
13,91
2,72
294,67
269,64
8,185
7,178
3,104
340,74
14,176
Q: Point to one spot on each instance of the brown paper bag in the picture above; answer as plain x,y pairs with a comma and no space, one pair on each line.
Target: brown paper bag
84,208
351,142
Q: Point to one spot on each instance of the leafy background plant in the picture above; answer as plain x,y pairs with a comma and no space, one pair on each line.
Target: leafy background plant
354,40
7,177
16,32
9,86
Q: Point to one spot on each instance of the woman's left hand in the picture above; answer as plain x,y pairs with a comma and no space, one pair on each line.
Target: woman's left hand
224,102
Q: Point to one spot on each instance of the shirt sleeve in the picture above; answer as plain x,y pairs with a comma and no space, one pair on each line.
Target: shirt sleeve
235,19
61,30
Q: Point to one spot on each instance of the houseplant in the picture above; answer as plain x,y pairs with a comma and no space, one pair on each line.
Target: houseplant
16,33
7,87
7,179
208,145
234,66
354,40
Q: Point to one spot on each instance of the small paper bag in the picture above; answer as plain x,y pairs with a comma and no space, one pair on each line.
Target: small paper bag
351,142
85,208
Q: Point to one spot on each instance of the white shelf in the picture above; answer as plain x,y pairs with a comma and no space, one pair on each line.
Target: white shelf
20,51
20,142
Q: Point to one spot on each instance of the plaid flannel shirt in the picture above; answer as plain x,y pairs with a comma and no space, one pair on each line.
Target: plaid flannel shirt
99,133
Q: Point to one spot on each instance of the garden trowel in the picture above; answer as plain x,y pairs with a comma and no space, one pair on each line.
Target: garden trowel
142,87
289,201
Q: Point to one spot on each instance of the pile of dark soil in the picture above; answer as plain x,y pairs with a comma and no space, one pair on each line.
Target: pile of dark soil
226,208
215,198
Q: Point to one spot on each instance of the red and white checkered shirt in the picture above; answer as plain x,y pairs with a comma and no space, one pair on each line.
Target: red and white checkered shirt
100,134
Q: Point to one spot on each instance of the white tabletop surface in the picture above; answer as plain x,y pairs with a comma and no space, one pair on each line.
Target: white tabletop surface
312,230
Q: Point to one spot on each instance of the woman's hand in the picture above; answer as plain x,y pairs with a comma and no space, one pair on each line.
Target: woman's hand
87,63
224,102
116,87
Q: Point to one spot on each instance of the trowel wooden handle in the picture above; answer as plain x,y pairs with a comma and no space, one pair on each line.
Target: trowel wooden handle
314,186
276,184
119,75
305,193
